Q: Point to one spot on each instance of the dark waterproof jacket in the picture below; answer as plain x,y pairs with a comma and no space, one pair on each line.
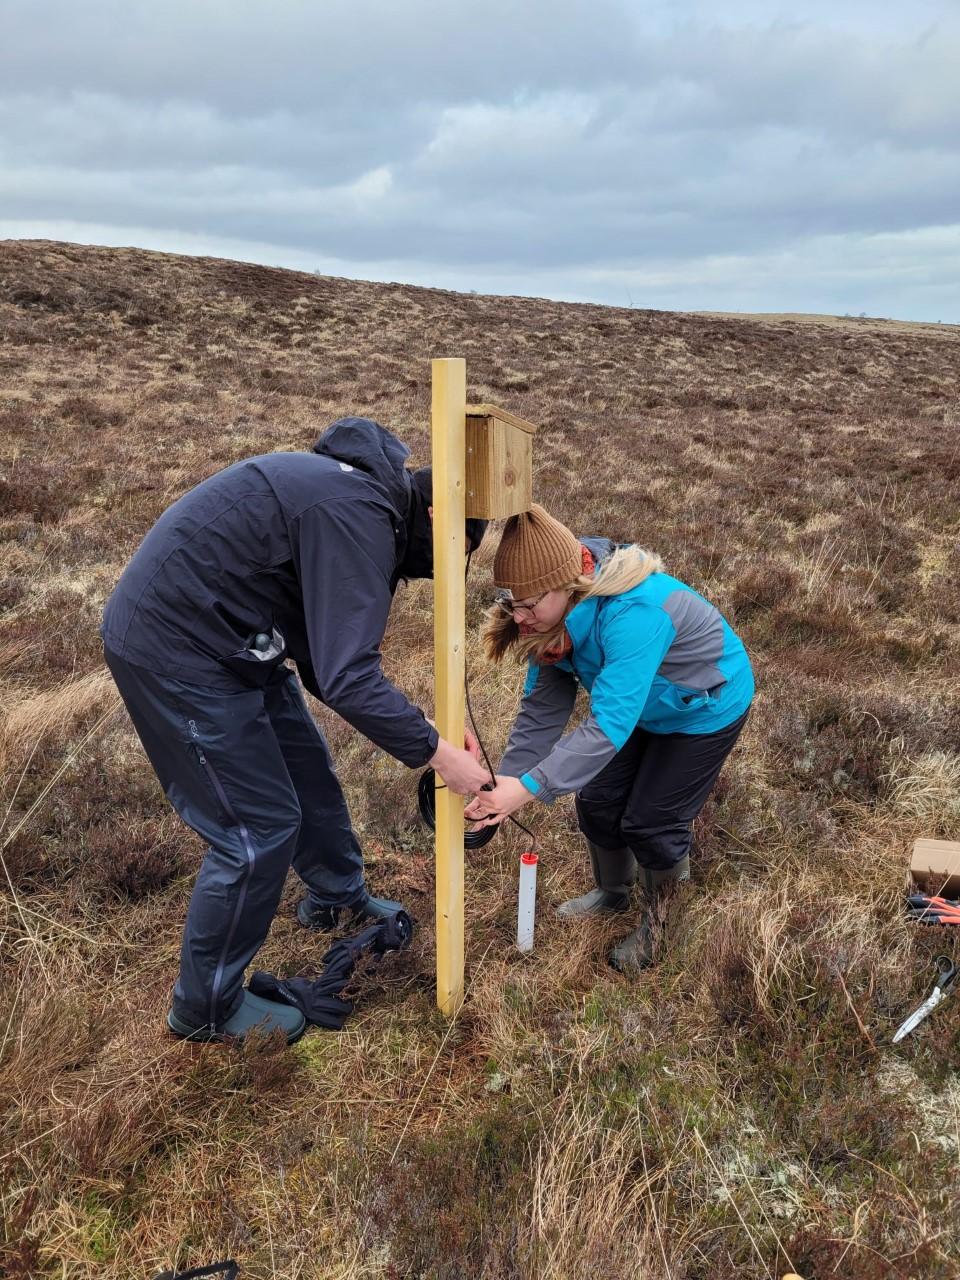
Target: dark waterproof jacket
304,548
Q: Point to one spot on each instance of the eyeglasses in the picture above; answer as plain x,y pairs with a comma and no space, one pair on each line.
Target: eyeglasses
513,607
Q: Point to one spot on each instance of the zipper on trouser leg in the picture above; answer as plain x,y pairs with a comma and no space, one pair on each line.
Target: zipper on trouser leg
242,898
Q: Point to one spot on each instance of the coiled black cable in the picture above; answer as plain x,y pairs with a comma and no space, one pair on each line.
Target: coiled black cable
426,797
428,785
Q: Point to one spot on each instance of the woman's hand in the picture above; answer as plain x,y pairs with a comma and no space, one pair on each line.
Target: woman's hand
492,807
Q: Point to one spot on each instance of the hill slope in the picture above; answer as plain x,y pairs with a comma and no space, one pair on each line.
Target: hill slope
738,1113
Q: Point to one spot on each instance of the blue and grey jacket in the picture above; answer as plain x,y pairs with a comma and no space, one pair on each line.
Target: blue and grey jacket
659,657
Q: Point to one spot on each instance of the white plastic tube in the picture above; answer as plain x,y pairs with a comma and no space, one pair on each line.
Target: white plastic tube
527,902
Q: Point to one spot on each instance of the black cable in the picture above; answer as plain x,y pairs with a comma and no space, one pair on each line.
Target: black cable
228,1269
426,797
428,785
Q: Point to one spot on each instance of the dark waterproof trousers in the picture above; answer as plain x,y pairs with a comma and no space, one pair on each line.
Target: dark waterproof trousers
647,797
250,772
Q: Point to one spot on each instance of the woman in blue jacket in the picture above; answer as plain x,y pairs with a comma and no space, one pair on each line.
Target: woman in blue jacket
670,689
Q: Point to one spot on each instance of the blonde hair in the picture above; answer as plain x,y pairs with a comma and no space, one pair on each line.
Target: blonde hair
624,569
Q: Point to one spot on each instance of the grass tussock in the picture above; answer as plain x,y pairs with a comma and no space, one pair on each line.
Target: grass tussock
35,718
738,1112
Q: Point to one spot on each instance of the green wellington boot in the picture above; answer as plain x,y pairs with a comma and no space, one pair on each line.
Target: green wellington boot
316,916
635,952
614,871
254,1014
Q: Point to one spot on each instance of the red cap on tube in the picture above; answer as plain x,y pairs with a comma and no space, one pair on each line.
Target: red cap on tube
530,859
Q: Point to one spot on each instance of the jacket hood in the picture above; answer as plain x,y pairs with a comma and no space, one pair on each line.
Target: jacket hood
371,448
366,445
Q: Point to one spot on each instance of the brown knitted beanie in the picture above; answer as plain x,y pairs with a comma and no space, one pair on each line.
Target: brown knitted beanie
536,555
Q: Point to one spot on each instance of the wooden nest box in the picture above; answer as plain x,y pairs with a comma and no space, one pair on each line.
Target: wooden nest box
499,463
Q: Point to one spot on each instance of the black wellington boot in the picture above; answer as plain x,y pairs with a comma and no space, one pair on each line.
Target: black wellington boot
635,952
614,871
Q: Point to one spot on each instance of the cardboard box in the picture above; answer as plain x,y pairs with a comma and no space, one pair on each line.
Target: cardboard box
936,866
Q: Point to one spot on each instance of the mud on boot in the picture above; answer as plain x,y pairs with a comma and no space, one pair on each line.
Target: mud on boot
636,951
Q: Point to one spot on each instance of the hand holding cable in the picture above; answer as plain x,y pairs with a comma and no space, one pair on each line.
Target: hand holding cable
461,770
480,835
492,807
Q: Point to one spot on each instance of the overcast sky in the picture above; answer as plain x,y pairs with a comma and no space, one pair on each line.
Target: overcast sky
751,156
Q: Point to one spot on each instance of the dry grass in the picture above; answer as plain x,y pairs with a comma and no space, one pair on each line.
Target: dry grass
740,1112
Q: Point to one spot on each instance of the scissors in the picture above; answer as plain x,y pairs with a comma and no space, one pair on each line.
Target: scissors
947,972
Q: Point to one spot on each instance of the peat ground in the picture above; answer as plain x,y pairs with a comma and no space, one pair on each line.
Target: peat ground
738,1113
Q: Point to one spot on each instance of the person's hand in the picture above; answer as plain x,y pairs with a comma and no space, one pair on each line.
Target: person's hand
459,769
492,807
470,743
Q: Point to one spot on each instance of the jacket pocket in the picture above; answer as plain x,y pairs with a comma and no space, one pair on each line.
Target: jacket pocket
256,665
680,700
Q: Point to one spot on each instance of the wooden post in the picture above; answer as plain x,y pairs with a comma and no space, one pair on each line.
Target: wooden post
449,638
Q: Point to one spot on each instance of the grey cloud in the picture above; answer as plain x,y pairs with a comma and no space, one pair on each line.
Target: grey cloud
496,138
359,53
107,133
850,85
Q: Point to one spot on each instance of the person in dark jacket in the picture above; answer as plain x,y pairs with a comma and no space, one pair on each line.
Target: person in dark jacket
286,556
670,689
